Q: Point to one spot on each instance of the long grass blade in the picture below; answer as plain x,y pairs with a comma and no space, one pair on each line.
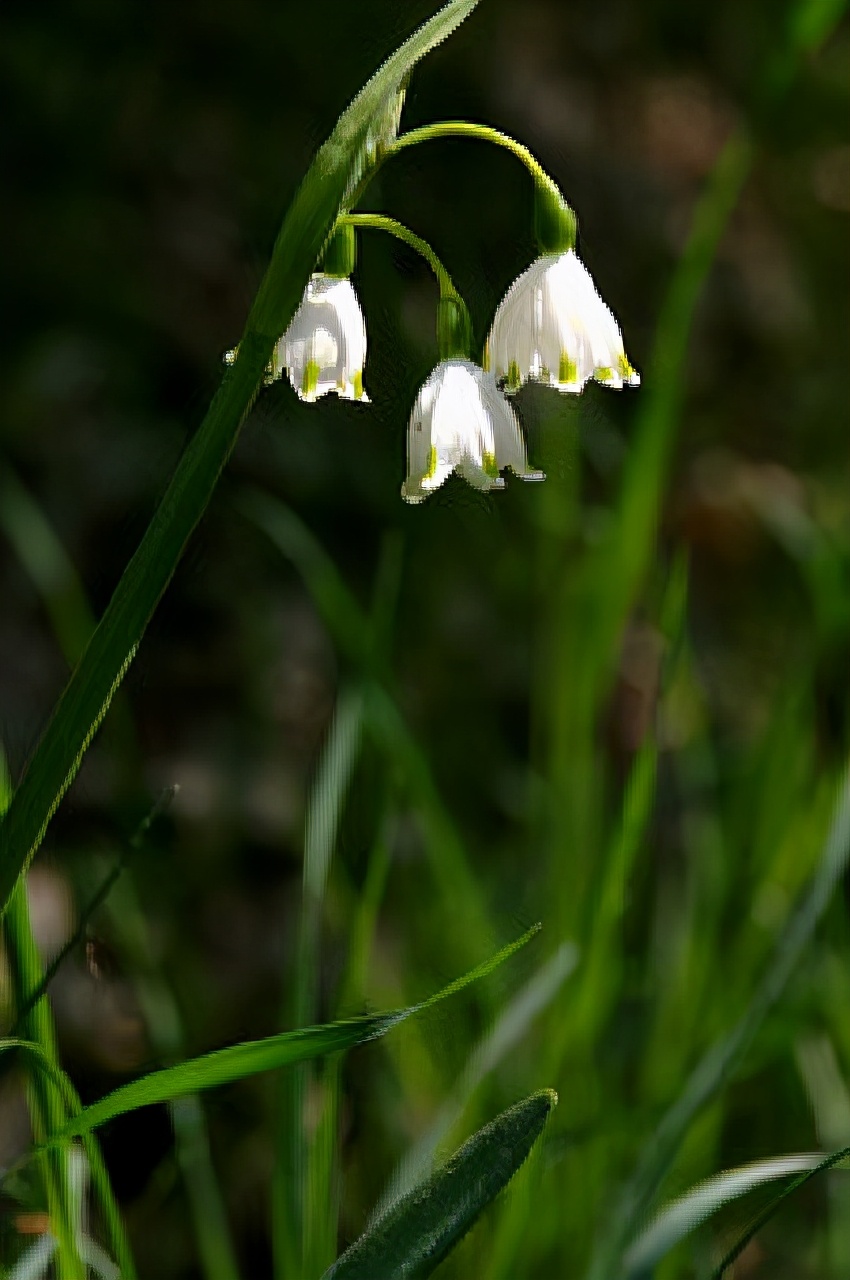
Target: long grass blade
512,1025
301,1185
677,1220
53,1075
721,1060
223,1066
837,1158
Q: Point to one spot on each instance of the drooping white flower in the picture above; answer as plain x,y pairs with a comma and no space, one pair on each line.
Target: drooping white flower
461,421
324,348
553,327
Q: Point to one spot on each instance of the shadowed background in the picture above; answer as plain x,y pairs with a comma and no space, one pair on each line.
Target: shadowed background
148,155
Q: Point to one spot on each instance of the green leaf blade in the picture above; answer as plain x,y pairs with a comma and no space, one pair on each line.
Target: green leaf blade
425,1225
223,1066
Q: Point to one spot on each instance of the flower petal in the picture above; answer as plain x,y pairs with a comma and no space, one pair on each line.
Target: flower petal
324,348
462,422
553,327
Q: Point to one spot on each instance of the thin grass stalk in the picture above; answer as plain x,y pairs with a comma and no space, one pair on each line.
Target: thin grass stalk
164,1021
717,1065
296,1180
47,1108
72,622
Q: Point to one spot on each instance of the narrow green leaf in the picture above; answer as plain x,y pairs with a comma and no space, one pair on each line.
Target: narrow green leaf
411,1240
504,1036
837,1157
240,1060
339,171
725,1055
301,1194
679,1218
102,1186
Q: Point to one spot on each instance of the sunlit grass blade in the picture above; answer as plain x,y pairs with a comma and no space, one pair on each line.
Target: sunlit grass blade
47,1100
411,1240
510,1028
251,1057
721,1060
339,170
42,1065
362,930
163,1018
677,1220
301,1184
830,1162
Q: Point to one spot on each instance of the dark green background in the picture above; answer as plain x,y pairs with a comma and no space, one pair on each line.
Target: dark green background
147,155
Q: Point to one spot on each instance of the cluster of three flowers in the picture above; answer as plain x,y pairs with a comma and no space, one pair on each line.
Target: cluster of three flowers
551,327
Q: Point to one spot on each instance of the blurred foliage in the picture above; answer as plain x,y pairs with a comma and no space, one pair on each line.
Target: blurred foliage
148,156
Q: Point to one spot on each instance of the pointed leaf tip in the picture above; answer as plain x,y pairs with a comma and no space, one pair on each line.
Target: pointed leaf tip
422,1227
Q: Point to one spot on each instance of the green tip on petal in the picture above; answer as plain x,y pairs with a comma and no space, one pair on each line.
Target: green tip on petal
310,380
514,378
490,466
604,373
357,382
432,464
567,369
485,359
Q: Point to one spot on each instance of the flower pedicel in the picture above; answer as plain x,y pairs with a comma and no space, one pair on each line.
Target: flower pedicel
551,327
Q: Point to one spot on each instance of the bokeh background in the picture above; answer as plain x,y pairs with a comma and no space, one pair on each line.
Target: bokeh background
148,154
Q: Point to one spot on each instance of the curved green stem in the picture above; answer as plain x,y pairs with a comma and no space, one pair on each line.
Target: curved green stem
554,219
454,328
485,133
379,222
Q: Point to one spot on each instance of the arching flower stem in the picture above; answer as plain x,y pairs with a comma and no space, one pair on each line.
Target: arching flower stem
554,206
453,324
380,222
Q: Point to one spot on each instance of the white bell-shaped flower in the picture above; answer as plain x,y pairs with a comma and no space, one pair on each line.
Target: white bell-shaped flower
553,327
324,348
462,422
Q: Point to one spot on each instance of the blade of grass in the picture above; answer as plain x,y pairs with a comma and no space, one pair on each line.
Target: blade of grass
511,1027
764,1217
46,1106
164,1021
340,170
301,1184
411,1240
56,579
47,1102
53,1075
223,1066
718,1064
95,901
677,1220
